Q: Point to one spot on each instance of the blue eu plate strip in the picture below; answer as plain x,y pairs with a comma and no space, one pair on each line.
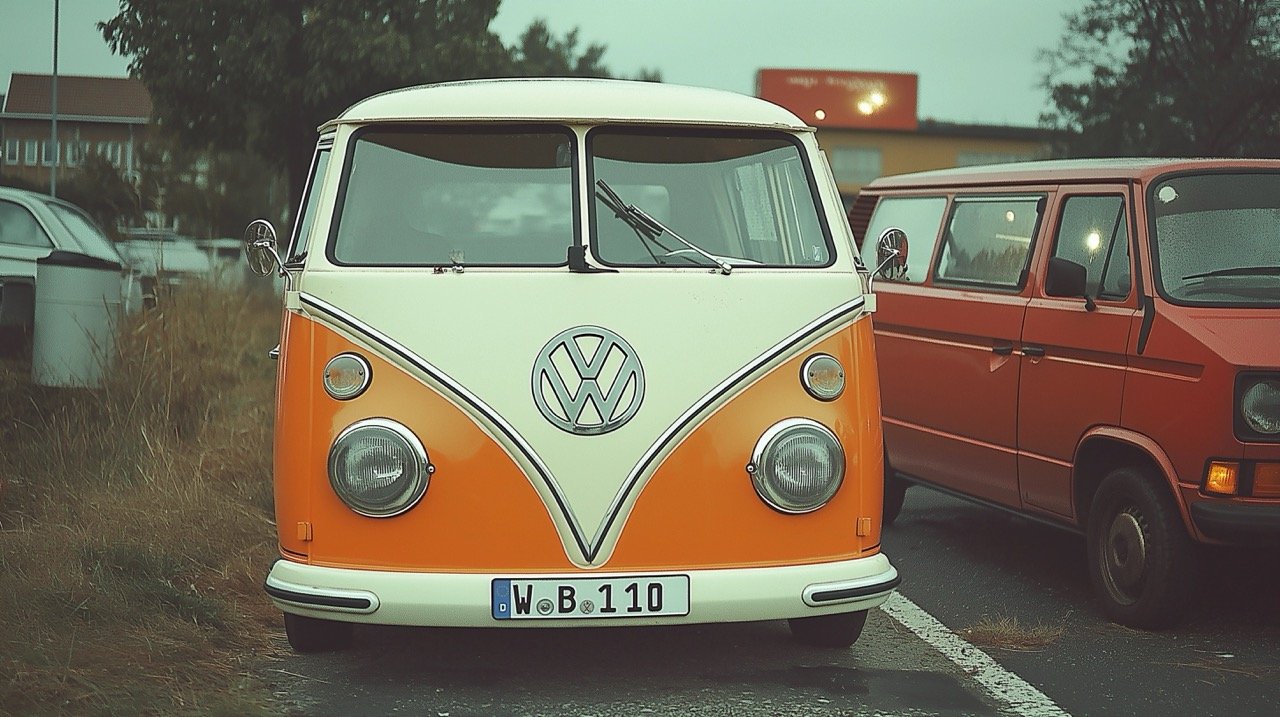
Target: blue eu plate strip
501,600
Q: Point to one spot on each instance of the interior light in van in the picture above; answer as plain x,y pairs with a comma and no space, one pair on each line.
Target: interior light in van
379,468
797,465
1092,242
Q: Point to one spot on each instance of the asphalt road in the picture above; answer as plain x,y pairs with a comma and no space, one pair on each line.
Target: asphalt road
735,669
963,562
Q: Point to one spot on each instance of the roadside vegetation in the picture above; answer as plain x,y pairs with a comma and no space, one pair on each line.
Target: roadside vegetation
135,519
1008,633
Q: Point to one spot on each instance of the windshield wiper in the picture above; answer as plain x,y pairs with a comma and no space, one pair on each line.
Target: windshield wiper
1238,271
648,228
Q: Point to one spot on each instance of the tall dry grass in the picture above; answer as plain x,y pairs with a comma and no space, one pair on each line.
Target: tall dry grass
135,520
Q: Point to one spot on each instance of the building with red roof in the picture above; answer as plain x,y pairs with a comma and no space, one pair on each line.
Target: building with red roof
108,116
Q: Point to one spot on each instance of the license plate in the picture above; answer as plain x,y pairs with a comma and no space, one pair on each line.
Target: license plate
561,598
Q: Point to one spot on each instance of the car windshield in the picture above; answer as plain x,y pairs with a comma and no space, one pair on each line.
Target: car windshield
1217,238
84,231
457,197
741,199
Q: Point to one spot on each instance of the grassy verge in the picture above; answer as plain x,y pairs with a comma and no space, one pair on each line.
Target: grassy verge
135,520
1007,633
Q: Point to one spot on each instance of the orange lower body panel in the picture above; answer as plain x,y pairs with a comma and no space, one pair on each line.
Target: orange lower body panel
481,513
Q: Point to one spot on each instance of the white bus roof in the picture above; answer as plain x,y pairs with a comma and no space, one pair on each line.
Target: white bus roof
572,101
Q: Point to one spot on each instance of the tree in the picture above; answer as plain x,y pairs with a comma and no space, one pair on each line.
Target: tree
100,190
538,53
1168,78
210,192
246,74
261,76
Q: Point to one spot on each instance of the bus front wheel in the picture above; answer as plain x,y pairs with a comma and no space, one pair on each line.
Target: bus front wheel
309,634
840,630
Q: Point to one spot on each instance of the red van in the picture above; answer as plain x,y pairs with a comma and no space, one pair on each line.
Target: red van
1091,343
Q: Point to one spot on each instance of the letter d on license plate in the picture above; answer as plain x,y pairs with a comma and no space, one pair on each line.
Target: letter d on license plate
612,597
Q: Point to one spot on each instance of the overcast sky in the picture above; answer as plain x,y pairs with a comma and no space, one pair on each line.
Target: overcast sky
978,60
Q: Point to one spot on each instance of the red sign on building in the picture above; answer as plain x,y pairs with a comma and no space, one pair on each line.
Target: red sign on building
831,98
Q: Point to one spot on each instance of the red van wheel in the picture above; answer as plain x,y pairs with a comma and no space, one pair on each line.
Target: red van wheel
1142,563
309,634
895,492
839,631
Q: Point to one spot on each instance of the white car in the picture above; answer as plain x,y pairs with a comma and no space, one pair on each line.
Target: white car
164,258
33,226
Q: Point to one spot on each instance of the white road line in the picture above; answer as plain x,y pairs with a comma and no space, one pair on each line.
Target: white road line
1020,697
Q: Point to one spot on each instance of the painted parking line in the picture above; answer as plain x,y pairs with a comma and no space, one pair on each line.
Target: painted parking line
1015,693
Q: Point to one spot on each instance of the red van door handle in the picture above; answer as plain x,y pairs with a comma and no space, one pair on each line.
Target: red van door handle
1002,349
1033,351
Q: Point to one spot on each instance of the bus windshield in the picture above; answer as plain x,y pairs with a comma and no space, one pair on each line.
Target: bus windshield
457,196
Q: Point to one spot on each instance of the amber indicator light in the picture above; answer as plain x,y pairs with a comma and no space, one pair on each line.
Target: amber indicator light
1223,478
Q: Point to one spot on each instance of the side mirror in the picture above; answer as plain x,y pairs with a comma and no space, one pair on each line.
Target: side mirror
891,254
1067,278
260,247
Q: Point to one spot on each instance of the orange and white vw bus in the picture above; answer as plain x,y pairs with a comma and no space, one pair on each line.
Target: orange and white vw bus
568,353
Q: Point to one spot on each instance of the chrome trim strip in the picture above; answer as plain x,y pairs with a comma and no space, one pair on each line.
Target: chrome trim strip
361,602
849,590
464,396
699,408
590,549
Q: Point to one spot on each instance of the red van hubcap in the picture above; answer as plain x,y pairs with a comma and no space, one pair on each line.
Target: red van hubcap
1125,556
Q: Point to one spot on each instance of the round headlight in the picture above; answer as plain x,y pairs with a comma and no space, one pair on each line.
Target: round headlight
378,468
346,376
797,465
1260,406
823,377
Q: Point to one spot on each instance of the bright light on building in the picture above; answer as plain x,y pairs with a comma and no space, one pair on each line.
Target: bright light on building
820,114
877,99
865,107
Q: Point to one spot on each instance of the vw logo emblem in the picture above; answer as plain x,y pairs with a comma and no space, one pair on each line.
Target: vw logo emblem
587,380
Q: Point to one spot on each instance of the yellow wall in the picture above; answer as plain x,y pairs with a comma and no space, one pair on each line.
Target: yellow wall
902,152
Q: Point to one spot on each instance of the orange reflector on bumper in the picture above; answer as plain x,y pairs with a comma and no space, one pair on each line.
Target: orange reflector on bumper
1266,480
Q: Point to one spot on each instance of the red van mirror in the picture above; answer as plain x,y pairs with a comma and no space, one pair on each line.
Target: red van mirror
1067,278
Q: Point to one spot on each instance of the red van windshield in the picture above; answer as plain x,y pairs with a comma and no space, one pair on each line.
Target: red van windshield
1217,238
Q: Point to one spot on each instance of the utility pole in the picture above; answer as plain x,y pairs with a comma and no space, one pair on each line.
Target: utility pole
53,105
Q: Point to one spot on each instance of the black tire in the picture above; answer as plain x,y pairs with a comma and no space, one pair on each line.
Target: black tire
1142,563
309,634
838,631
895,492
